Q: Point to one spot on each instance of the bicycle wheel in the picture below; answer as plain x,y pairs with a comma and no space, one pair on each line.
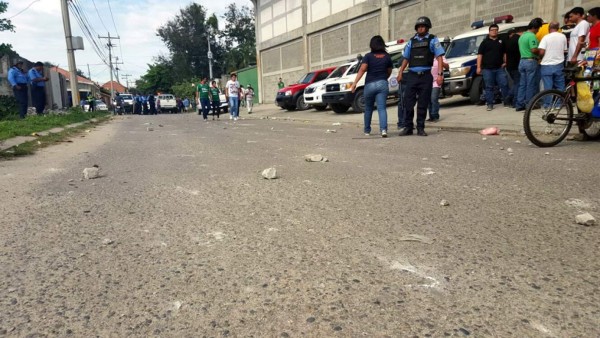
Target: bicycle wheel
548,118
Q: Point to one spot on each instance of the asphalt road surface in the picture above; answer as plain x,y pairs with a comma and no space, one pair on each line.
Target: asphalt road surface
182,237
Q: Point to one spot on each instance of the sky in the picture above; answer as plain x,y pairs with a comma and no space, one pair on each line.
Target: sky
39,34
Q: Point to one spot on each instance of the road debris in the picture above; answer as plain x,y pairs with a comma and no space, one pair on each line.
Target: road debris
150,129
444,203
490,131
270,174
315,158
336,124
586,219
445,157
331,131
107,241
416,238
91,173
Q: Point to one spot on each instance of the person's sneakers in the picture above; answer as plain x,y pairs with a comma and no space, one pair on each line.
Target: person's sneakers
231,117
367,134
489,107
205,120
384,133
421,132
432,120
235,118
405,132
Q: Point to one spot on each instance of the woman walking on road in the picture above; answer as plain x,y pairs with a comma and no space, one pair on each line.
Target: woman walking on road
378,66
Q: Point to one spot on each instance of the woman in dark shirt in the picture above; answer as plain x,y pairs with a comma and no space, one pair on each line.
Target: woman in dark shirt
378,66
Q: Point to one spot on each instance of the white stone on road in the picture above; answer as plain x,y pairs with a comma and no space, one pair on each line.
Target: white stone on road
91,173
444,203
270,173
585,219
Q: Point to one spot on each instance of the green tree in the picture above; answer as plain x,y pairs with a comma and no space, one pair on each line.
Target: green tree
239,37
185,89
5,24
159,78
186,37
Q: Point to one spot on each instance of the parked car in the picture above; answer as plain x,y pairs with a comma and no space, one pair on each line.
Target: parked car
461,55
340,98
166,103
224,102
99,105
313,94
127,102
292,97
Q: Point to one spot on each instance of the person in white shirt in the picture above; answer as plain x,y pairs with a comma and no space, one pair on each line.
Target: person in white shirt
232,91
552,50
578,35
249,96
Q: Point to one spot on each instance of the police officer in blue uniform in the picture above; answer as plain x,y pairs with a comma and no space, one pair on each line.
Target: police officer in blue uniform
18,80
38,84
419,54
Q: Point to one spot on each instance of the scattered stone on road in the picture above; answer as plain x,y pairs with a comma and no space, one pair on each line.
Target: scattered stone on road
91,173
107,241
416,238
150,129
510,150
445,157
444,203
547,153
585,219
270,174
331,131
315,158
336,124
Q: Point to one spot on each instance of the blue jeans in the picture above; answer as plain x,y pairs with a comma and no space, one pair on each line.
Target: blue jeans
376,91
234,106
491,78
553,78
205,103
516,77
22,99
529,70
401,108
434,106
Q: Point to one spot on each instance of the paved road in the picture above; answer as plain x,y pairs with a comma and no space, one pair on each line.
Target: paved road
182,237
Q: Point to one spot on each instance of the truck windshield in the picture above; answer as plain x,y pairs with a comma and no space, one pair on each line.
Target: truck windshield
338,72
464,47
306,78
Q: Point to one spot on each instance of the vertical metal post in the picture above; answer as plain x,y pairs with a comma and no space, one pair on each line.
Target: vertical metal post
70,54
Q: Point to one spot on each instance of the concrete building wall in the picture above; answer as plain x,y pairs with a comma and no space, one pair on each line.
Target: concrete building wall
294,36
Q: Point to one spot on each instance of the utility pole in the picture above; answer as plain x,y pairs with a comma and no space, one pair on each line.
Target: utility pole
110,46
126,77
89,73
70,54
117,69
210,56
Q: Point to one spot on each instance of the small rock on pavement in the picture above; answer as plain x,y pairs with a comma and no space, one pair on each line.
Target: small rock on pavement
150,129
510,150
546,153
518,142
445,157
270,173
336,124
91,173
107,241
315,158
586,219
331,131
444,203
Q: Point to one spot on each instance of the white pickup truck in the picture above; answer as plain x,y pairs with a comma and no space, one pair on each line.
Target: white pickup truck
167,102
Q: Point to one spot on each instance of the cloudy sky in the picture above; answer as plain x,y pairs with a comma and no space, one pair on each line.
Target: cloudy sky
39,33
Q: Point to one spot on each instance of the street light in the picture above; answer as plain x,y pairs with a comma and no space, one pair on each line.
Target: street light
210,55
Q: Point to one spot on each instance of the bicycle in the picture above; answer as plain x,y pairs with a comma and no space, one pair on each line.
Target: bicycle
549,115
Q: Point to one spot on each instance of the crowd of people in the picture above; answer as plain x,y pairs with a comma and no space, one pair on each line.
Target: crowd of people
529,57
208,98
22,82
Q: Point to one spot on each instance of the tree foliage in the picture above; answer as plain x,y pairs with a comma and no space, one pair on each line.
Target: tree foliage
187,36
5,24
239,37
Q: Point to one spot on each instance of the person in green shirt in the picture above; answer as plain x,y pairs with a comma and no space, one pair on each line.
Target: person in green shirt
203,93
280,84
529,69
216,99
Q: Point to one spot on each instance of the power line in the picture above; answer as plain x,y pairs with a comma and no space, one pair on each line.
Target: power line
87,29
99,16
24,9
115,25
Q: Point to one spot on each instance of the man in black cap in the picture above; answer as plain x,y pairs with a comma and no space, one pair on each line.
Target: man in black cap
18,81
38,85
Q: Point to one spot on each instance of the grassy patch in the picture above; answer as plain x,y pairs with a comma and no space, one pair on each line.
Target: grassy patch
30,147
34,124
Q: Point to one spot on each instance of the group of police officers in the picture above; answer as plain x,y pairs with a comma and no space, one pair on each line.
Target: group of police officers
20,81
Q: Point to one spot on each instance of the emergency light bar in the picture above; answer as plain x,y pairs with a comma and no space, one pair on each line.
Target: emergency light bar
498,19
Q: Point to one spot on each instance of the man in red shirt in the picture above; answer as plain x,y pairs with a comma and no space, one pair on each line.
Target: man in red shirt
594,20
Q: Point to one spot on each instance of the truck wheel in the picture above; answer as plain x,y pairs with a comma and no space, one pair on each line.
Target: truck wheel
476,90
320,107
358,104
300,103
339,108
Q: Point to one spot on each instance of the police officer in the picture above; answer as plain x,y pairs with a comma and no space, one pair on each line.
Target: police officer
419,54
38,84
18,81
